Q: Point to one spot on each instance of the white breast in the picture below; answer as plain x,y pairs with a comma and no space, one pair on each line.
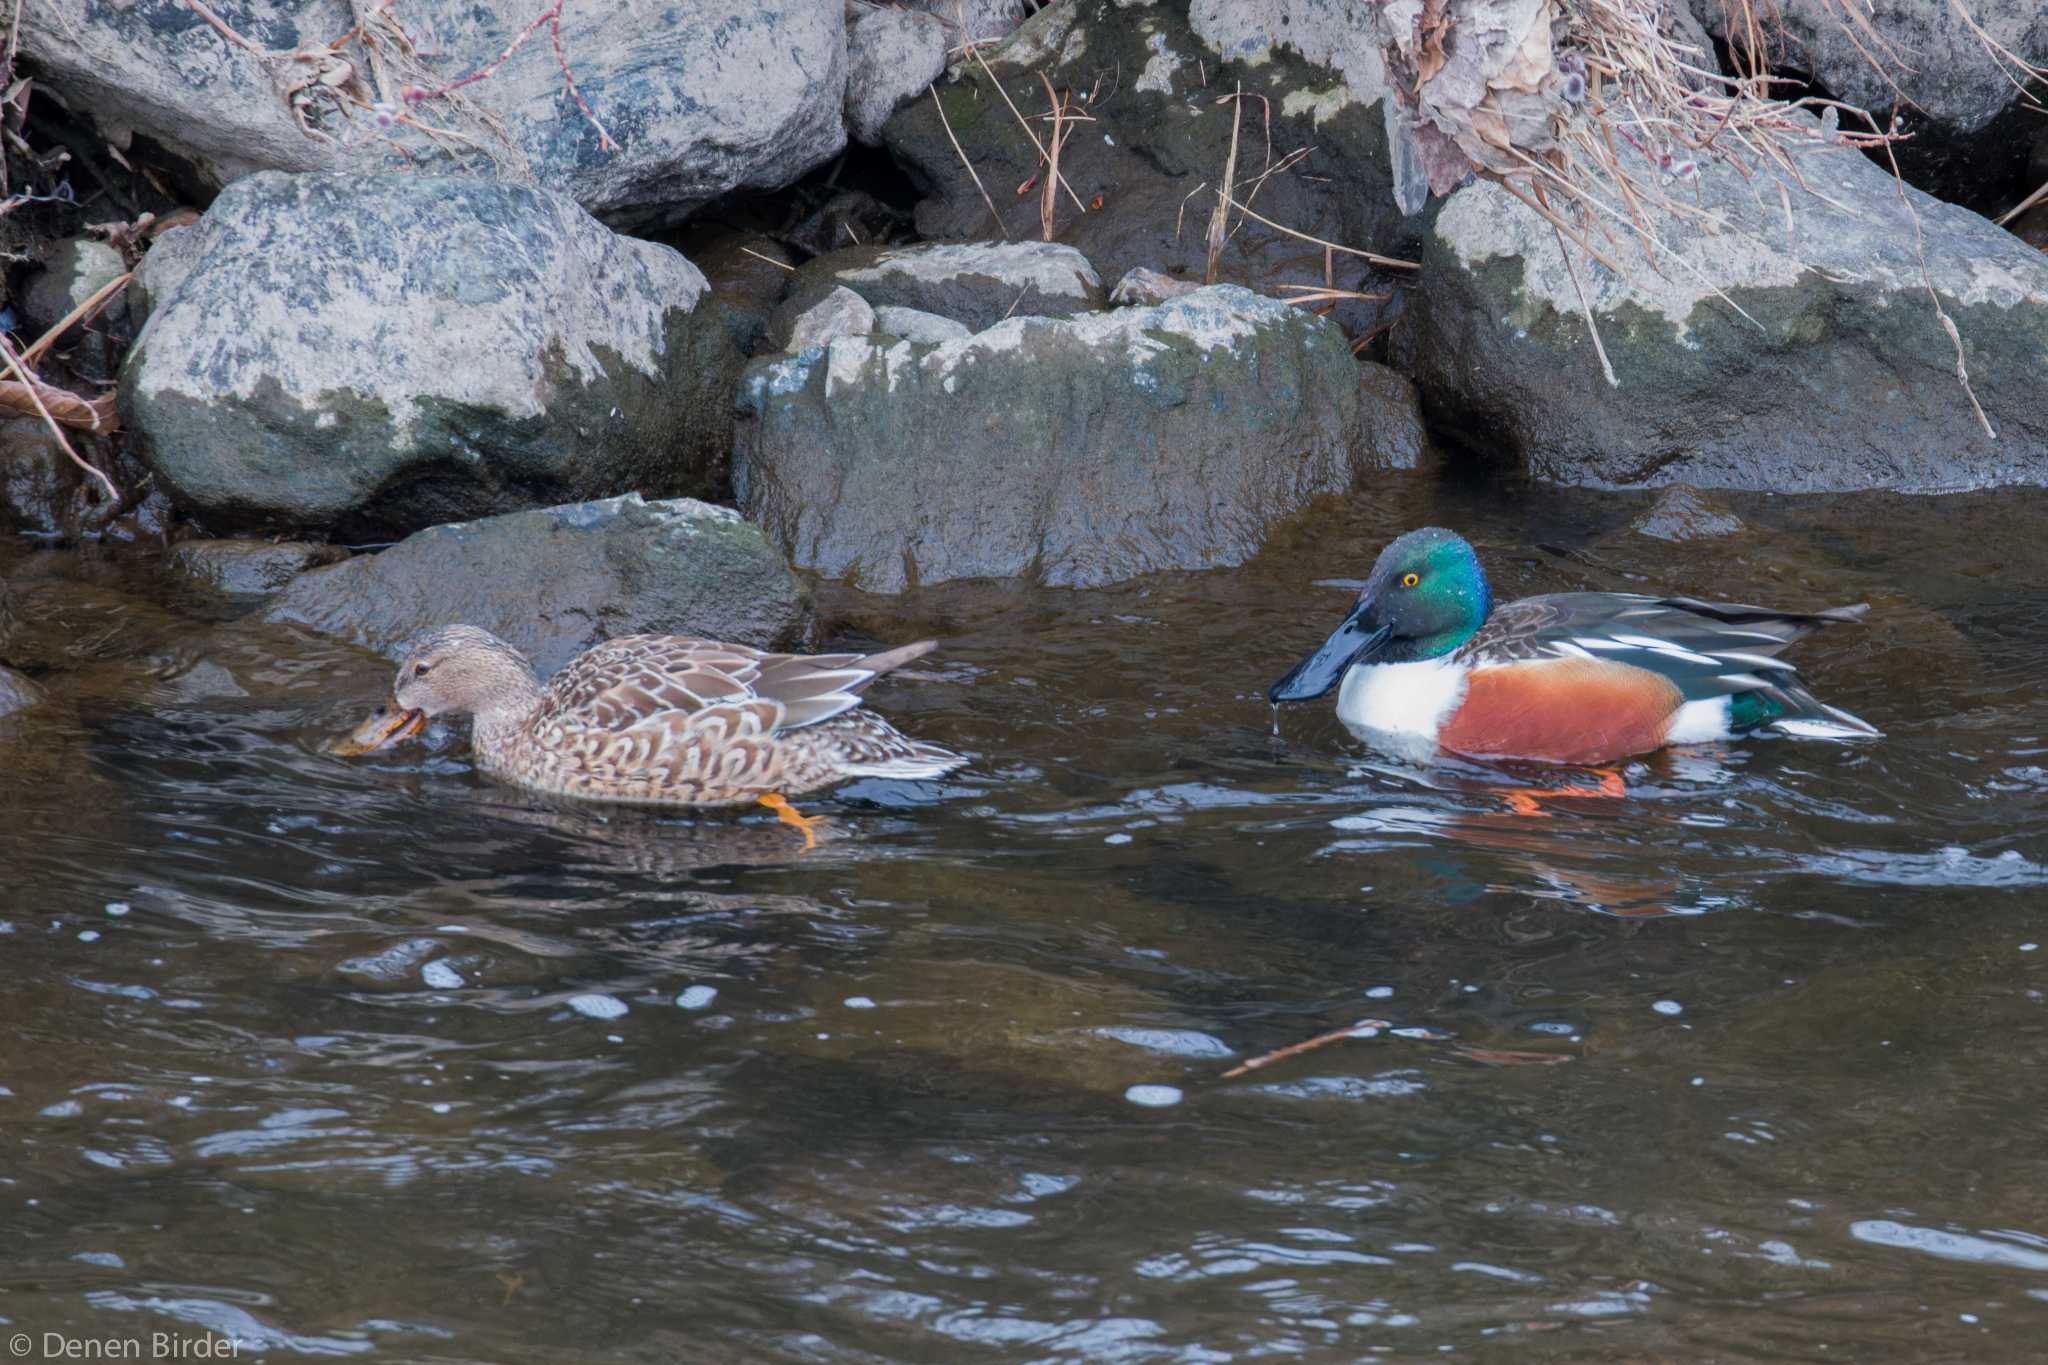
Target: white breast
1401,707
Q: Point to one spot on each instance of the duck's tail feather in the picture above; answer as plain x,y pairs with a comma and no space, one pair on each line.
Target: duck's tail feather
871,747
919,760
1787,708
1826,722
1768,629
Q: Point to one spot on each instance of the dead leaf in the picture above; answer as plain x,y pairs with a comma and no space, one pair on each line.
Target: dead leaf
66,407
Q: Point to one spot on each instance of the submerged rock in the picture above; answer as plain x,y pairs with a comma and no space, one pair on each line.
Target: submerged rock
1070,451
701,99
38,482
974,283
1682,512
1836,374
247,568
17,692
891,56
560,579
373,355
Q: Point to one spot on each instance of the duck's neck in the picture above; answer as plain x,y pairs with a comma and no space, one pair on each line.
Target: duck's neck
499,725
1438,646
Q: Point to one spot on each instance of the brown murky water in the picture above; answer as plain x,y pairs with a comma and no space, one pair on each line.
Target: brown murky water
311,1053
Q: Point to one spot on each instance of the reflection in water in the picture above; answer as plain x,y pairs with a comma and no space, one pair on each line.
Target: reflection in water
383,1058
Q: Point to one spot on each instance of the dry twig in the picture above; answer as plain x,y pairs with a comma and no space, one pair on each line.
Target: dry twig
1023,123
1219,217
1001,230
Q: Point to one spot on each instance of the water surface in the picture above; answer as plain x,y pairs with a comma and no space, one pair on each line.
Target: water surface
381,1059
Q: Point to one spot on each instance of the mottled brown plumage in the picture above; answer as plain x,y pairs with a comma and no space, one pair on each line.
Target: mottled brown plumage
659,719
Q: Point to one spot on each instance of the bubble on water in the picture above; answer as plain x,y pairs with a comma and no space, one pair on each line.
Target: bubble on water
101,1258
696,997
442,1107
118,908
440,975
1668,1007
88,936
1116,838
63,1109
595,1006
1380,993
1699,1080
1154,1096
2029,947
858,1002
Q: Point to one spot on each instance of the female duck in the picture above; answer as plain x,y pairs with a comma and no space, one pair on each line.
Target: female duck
1428,663
659,719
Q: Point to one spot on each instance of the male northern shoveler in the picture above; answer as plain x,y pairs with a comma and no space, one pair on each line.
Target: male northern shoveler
1428,663
659,719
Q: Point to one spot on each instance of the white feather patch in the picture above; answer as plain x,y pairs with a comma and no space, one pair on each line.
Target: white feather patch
1699,722
1401,707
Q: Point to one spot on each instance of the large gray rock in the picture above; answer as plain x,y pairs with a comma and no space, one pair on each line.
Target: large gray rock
1150,161
375,354
975,283
891,56
558,580
1839,377
702,98
1919,52
1070,451
1918,60
973,21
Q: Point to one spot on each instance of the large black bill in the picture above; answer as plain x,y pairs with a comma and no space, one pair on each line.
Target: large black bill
1324,669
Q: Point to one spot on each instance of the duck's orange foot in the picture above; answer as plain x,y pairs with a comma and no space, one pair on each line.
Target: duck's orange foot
1529,800
789,815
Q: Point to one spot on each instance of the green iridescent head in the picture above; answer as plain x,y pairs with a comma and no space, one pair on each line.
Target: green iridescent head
1427,595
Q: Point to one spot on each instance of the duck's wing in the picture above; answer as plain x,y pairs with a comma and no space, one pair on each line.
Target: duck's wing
1708,649
671,682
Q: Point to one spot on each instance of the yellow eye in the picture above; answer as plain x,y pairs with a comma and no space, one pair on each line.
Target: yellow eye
1409,580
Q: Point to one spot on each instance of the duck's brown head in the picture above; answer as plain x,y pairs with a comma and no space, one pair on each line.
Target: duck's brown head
459,670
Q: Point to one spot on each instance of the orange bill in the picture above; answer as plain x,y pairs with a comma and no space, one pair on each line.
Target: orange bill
387,724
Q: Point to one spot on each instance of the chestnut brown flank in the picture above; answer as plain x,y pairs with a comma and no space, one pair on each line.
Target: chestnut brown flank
1562,711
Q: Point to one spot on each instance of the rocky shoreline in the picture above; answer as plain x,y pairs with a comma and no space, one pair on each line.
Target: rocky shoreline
530,327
